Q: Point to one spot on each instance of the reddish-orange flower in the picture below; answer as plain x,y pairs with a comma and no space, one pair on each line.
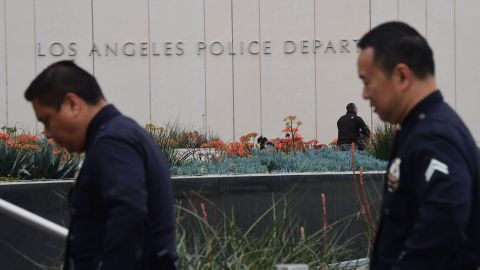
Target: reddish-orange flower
237,149
28,146
246,138
218,144
26,138
290,129
290,118
10,143
4,136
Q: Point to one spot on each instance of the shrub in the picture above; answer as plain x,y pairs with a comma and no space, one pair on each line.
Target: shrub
165,137
381,142
276,237
173,137
27,156
275,161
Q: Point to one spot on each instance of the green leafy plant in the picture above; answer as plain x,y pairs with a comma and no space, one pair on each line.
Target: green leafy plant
275,161
276,237
381,141
53,163
366,202
26,156
165,137
14,162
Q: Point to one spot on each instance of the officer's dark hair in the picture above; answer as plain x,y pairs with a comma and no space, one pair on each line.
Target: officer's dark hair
396,42
351,107
51,86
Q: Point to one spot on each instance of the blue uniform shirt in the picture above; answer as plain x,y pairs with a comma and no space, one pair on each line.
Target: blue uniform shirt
430,216
122,203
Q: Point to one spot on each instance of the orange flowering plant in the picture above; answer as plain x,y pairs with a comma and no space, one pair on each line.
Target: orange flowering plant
172,136
29,156
22,141
219,149
292,142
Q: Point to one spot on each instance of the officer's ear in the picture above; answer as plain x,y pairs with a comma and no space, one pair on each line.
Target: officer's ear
402,76
72,103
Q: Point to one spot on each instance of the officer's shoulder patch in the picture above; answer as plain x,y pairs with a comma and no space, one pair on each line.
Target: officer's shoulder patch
393,178
435,165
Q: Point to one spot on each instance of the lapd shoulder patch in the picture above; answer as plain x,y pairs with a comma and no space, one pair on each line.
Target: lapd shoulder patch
393,178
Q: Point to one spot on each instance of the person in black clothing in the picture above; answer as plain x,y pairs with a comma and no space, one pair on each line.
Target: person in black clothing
352,129
121,204
430,215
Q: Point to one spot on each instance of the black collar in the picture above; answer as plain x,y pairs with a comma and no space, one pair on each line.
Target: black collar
101,118
420,110
418,113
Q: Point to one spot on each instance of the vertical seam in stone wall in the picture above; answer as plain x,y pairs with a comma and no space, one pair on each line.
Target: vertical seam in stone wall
370,14
6,60
455,51
93,40
35,45
35,35
315,66
233,74
398,10
205,120
149,66
426,19
260,67
370,28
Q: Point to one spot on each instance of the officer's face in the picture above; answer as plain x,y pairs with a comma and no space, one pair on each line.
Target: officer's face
378,88
62,125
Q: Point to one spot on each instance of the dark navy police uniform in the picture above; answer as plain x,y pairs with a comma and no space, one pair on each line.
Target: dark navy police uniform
122,203
430,217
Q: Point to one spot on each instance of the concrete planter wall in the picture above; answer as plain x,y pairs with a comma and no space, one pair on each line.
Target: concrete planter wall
249,195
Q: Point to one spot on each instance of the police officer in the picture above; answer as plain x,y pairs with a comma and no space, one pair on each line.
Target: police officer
122,203
430,215
352,129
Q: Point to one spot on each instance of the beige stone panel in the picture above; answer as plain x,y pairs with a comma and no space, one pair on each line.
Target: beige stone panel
467,72
63,32
413,12
288,80
62,35
124,79
3,68
440,33
218,68
247,109
177,77
383,11
336,72
20,46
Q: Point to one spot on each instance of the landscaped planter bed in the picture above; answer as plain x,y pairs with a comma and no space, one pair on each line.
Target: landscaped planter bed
249,195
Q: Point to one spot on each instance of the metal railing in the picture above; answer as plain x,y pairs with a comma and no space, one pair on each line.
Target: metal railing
33,220
354,264
56,230
347,265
